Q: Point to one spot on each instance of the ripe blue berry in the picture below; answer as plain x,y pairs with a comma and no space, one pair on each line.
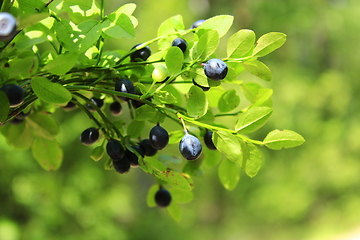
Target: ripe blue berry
215,69
162,198
15,94
115,108
125,86
115,150
180,43
89,136
140,55
190,147
122,165
197,23
7,26
97,101
131,157
159,137
147,147
69,106
208,140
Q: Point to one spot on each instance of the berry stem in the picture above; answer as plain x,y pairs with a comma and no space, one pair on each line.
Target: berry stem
184,126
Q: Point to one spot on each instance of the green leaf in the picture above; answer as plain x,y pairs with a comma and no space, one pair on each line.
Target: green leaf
97,153
174,211
211,157
62,63
43,125
23,67
206,45
50,92
67,34
278,139
118,26
269,42
181,196
240,43
252,159
219,23
197,103
200,78
144,113
229,145
150,197
30,6
135,128
170,25
165,97
229,174
90,34
253,119
5,106
29,20
174,60
19,136
228,101
258,69
263,98
250,90
47,153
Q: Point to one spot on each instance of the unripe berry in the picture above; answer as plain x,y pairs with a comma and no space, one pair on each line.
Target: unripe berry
160,73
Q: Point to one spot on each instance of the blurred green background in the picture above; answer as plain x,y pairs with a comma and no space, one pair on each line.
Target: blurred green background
309,192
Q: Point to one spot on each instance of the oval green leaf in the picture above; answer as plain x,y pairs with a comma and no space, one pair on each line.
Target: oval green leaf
229,174
229,145
43,125
228,101
240,43
47,153
258,69
5,107
269,42
174,60
278,139
50,92
197,103
253,119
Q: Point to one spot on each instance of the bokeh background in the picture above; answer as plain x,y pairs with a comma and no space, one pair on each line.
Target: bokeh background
310,192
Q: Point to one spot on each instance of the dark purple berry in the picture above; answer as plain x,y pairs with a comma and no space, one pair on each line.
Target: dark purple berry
69,106
197,23
141,54
15,94
97,101
125,86
115,150
190,147
122,165
180,43
131,157
147,148
16,121
162,198
208,140
115,108
159,137
215,69
89,136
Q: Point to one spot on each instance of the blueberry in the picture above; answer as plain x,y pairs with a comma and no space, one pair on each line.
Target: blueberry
16,121
115,108
215,69
125,86
97,101
202,87
131,157
69,106
147,147
159,137
208,140
21,115
180,43
15,94
122,165
162,198
190,147
89,136
7,26
197,23
141,54
115,150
